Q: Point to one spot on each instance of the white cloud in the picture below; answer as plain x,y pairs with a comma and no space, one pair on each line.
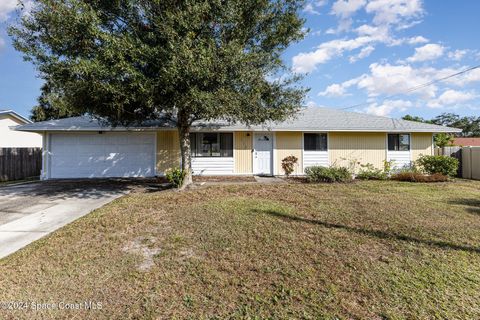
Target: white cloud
429,51
387,107
339,89
377,33
314,6
451,97
365,52
410,41
386,79
6,7
395,79
467,78
309,8
395,11
399,12
334,90
417,40
457,55
346,8
343,25
308,61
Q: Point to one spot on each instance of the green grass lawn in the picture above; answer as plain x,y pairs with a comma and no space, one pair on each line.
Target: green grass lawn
375,249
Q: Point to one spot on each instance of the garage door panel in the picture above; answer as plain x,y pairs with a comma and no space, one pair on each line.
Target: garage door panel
95,155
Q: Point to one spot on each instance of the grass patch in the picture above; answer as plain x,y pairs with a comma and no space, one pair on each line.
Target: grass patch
373,249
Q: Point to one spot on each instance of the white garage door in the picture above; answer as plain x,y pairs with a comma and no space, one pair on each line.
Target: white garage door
94,155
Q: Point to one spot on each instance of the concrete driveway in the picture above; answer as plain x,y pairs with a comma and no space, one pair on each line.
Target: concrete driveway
31,211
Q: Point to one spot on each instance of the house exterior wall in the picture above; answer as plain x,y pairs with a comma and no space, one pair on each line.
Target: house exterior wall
364,147
17,139
242,152
168,151
421,144
288,144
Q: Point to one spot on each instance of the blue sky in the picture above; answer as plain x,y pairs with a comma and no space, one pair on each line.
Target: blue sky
362,53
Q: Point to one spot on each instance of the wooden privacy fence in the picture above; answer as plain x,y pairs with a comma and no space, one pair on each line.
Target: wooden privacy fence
20,163
469,158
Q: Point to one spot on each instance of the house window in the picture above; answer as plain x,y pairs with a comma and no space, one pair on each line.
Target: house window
211,144
315,141
399,142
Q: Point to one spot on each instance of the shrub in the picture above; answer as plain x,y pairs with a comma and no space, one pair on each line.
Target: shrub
387,167
411,168
369,172
175,176
414,176
328,174
288,164
445,165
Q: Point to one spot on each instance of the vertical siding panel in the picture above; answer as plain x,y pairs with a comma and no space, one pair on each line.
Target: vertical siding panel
364,147
467,163
242,151
422,144
168,151
288,144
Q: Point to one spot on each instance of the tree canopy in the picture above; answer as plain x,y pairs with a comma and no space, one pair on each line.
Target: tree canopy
469,125
128,61
51,106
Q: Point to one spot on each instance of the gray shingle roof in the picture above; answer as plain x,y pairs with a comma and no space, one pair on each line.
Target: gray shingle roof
308,119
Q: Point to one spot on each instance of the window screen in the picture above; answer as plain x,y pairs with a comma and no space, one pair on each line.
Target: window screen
398,142
315,142
211,144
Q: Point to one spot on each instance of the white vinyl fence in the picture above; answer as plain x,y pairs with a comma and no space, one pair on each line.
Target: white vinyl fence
471,163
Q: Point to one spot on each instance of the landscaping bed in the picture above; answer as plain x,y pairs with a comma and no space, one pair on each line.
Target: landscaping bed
223,179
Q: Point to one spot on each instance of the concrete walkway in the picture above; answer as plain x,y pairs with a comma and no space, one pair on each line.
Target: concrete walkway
31,211
268,179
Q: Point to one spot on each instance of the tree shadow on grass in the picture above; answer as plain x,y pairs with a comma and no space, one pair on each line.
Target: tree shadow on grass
473,204
372,233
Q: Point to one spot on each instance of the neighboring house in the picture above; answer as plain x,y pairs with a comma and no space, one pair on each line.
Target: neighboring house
10,138
81,147
467,142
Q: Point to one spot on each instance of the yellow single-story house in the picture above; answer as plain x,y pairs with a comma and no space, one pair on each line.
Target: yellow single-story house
81,147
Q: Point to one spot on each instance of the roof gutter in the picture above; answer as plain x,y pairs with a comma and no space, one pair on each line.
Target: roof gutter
226,129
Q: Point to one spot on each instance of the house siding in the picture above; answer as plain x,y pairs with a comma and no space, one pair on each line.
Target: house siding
242,149
10,138
168,151
288,144
363,147
422,144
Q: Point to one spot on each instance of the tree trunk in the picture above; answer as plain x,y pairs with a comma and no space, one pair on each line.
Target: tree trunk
184,137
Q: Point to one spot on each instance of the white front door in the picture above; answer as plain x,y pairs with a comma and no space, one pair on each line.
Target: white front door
263,153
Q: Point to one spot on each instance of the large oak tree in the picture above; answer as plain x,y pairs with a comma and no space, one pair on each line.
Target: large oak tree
127,61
